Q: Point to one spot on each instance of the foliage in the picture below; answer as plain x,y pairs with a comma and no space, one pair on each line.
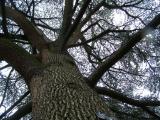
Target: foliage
105,27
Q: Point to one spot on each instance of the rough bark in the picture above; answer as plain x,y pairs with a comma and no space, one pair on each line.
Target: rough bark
58,89
60,93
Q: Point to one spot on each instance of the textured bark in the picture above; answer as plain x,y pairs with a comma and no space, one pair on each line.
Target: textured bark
60,93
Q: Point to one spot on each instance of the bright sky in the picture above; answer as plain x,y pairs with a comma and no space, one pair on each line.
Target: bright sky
118,19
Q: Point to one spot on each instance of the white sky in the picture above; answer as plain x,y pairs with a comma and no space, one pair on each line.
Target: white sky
118,19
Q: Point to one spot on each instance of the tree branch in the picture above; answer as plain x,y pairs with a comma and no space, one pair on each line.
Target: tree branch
13,36
21,112
36,37
97,7
75,24
123,98
117,55
15,104
67,18
24,63
151,112
130,114
6,87
100,35
4,21
77,31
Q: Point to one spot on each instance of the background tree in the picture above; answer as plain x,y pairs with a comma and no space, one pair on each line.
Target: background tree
78,59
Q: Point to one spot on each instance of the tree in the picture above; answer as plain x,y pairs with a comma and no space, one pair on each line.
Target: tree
42,48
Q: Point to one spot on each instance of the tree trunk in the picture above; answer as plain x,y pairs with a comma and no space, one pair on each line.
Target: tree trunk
60,92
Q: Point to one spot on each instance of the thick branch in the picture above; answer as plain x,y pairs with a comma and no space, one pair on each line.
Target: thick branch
76,23
76,35
36,37
117,55
67,17
17,57
123,98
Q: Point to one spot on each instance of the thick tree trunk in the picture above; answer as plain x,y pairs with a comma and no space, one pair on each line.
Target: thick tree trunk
60,93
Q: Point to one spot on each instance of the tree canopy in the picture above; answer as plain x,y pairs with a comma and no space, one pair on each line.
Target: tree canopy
115,44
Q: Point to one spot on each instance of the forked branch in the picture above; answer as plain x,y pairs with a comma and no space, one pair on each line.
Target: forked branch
124,49
36,37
